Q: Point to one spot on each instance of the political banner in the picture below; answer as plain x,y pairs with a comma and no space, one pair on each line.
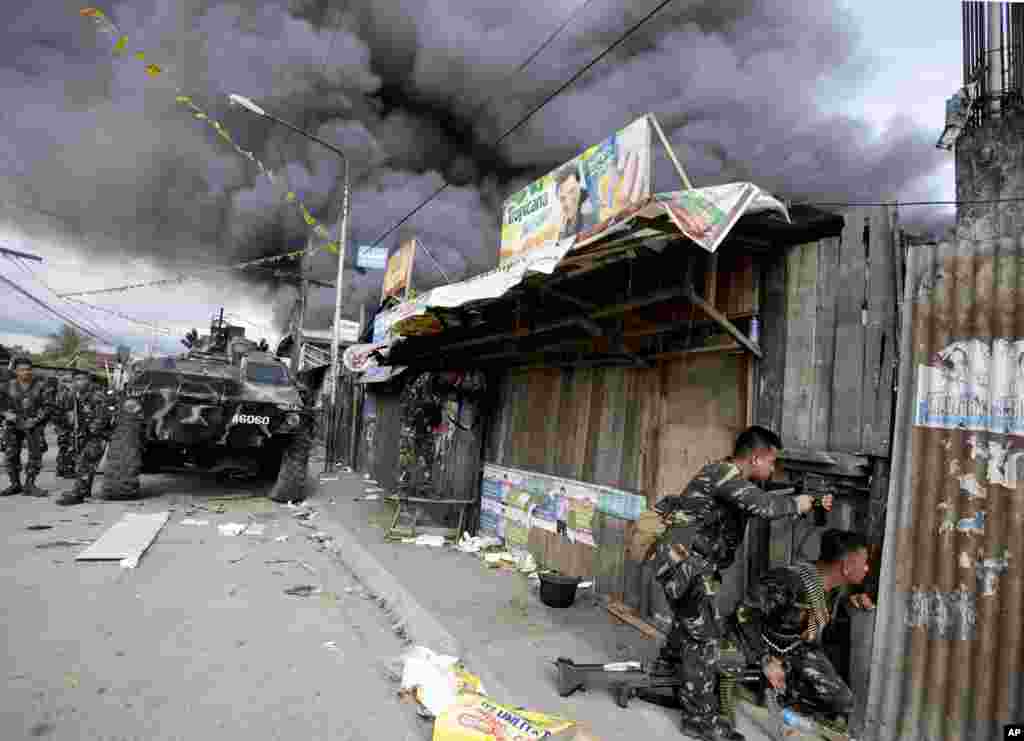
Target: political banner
576,199
398,275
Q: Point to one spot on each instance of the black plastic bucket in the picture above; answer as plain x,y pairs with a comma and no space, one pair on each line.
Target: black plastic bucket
557,590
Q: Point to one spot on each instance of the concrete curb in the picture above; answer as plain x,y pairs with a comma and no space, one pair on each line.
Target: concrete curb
421,627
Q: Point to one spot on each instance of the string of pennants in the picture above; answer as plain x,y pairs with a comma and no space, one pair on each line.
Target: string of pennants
120,46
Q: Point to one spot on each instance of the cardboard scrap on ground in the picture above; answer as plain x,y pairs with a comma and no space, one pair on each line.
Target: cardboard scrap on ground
456,699
127,539
475,717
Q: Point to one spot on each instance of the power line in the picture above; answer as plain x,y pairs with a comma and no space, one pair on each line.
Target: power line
27,269
140,322
56,313
908,203
543,103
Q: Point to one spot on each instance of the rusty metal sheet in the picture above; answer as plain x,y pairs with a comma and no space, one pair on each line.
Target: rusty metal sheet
948,656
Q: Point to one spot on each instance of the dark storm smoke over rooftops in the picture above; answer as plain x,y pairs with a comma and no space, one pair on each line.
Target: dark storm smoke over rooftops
404,93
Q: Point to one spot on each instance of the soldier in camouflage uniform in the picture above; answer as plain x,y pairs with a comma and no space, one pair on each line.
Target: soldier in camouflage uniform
781,622
27,407
87,412
706,524
64,403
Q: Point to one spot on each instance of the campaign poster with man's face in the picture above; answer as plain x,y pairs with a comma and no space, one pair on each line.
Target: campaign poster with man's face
578,197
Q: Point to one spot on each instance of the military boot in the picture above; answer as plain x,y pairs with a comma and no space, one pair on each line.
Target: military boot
76,496
717,729
30,489
15,487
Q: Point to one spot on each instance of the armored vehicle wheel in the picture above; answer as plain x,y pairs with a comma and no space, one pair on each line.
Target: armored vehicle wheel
291,478
124,455
270,462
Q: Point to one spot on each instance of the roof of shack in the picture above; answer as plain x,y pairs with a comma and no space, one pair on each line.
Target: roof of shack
626,281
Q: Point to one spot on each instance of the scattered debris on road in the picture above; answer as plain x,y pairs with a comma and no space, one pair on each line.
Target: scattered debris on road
434,541
191,521
303,590
444,690
39,527
280,538
256,529
330,645
127,539
368,498
477,543
63,543
231,528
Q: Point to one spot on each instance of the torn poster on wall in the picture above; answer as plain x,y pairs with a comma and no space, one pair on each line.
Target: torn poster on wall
975,385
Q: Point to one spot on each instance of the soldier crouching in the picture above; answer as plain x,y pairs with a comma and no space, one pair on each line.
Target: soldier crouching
781,621
89,416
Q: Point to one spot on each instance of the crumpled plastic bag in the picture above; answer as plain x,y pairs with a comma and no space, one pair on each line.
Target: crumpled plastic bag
436,680
476,543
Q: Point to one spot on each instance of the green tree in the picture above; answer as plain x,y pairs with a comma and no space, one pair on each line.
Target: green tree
66,345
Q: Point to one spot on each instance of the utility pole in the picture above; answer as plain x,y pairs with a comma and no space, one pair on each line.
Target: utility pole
303,301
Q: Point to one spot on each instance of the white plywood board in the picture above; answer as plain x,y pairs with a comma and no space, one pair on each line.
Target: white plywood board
126,539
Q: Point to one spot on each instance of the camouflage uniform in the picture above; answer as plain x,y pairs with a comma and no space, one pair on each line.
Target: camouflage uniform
782,617
32,407
64,403
92,409
706,526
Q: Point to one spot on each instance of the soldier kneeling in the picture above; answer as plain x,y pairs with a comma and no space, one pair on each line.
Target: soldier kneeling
780,624
89,414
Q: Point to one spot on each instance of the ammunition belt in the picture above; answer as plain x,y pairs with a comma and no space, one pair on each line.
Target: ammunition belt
816,601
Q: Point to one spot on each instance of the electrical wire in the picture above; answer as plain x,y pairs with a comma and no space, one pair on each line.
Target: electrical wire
852,204
27,269
59,315
551,96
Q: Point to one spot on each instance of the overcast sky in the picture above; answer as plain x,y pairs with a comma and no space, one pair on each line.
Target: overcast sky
112,183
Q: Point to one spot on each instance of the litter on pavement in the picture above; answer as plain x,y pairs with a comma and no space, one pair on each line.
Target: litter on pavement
63,543
434,541
462,711
477,543
368,498
191,521
256,529
127,539
39,527
330,645
280,538
303,590
231,528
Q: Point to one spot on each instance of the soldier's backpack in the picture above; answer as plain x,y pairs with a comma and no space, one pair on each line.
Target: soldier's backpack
647,531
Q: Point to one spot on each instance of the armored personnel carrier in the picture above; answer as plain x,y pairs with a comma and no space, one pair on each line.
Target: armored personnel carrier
225,406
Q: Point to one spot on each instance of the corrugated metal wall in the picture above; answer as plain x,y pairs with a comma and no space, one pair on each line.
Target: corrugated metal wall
949,656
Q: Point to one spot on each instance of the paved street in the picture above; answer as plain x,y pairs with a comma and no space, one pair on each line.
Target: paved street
200,640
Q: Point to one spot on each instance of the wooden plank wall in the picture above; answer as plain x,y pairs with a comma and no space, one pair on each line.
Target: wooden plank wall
642,430
840,338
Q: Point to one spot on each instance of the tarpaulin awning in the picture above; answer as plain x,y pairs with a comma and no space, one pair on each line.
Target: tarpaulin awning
704,215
